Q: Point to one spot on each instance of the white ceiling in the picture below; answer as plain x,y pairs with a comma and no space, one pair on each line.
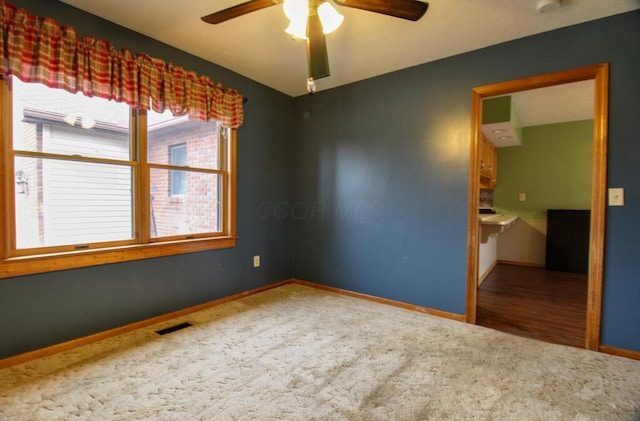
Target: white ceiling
534,107
555,104
366,45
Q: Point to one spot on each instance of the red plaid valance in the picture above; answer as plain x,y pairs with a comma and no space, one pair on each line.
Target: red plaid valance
38,49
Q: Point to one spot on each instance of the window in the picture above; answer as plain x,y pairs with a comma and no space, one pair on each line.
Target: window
89,181
185,184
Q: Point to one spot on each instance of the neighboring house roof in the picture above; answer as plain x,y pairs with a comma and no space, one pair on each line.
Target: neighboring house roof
56,105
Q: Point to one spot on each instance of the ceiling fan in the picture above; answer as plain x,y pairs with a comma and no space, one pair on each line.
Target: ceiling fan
313,19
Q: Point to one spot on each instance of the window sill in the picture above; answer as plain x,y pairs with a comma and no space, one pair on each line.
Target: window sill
28,265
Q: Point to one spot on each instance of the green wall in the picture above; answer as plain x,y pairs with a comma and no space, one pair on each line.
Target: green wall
552,167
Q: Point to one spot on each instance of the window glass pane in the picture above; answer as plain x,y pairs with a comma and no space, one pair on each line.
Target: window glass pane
55,121
178,154
197,211
199,139
61,202
178,183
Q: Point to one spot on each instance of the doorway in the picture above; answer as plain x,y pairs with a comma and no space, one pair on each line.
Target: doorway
599,74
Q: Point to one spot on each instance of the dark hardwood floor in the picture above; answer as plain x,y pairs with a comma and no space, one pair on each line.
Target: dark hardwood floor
535,303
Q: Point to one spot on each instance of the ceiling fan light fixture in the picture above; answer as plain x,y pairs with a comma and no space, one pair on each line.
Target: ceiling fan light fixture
297,28
296,10
329,17
313,19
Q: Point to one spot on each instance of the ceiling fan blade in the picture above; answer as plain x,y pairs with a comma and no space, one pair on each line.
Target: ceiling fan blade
317,49
239,10
404,9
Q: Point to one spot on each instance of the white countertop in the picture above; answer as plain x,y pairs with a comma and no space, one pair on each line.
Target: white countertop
494,224
497,219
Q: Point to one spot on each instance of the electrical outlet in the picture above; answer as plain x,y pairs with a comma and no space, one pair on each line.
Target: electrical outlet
256,261
616,197
522,197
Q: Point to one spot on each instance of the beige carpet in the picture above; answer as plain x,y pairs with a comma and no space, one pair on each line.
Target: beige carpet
297,353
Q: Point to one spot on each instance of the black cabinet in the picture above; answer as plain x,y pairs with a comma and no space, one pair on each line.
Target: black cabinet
568,240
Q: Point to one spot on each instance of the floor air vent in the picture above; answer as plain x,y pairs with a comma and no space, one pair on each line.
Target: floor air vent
173,328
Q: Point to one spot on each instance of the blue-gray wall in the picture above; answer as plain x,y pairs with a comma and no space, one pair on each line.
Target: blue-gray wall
362,187
385,164
40,310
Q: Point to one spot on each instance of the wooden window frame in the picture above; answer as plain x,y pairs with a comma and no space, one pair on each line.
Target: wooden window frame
12,265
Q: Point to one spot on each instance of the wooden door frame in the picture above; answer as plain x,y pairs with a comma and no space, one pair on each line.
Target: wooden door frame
599,73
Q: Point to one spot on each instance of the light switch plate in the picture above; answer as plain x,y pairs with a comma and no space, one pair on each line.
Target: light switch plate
616,196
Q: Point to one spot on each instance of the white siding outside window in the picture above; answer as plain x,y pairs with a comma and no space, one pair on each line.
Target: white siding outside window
85,202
